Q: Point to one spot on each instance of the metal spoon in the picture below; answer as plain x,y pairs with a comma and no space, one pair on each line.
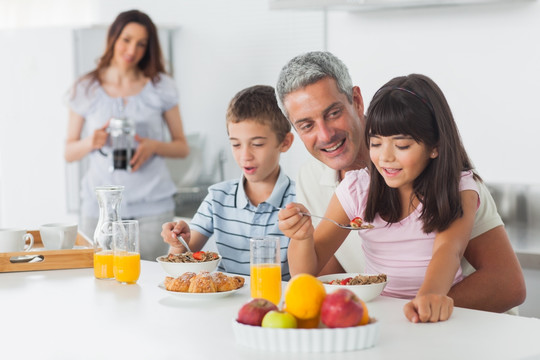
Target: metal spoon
361,227
181,239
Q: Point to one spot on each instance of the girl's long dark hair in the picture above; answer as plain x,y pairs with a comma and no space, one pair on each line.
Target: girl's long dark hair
151,63
414,105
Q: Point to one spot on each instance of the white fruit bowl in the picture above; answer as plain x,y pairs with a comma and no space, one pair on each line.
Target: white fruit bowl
177,269
366,292
320,340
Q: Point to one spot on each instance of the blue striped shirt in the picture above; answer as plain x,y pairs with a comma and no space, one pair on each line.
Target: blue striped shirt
228,216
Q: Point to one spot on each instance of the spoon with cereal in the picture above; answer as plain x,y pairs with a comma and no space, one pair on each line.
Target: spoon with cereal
356,224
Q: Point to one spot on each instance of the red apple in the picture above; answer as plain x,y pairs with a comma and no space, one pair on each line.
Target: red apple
252,312
342,308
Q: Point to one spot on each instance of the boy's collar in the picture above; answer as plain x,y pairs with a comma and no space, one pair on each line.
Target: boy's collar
275,199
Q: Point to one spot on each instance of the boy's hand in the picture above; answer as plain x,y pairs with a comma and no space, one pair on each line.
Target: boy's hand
170,232
293,224
429,308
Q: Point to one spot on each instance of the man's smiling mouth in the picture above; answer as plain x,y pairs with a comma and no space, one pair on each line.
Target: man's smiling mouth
335,147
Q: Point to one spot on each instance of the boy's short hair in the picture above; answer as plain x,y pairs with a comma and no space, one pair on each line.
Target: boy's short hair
258,103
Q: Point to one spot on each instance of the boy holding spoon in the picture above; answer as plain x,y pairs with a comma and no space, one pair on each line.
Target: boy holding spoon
236,210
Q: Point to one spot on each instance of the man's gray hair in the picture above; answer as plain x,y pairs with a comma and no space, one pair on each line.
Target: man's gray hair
307,69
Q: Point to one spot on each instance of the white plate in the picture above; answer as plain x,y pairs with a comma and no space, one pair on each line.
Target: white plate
307,340
198,296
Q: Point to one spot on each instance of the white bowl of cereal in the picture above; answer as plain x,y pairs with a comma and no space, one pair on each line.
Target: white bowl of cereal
365,286
176,265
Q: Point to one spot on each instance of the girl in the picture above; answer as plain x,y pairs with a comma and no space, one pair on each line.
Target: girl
419,192
129,82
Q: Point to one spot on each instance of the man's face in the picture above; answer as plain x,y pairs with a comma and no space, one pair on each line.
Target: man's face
330,127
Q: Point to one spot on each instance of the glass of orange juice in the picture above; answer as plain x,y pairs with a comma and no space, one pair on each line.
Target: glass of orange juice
127,257
265,268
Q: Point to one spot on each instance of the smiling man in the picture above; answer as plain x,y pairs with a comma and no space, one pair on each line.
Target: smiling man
316,94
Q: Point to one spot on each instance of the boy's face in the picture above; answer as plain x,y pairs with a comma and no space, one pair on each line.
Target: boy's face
256,150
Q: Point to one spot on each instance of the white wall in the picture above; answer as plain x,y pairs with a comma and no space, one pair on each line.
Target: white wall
486,58
33,125
222,47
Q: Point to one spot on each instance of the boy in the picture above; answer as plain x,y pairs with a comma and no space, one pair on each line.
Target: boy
236,210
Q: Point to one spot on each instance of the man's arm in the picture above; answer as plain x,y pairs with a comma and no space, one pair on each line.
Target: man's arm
497,284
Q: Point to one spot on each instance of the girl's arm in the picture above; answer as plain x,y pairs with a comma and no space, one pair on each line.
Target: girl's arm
310,250
431,302
176,148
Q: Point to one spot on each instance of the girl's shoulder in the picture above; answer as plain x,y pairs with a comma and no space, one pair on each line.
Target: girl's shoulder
468,182
357,176
355,183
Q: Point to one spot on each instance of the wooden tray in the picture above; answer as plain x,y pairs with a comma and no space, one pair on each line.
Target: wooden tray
41,259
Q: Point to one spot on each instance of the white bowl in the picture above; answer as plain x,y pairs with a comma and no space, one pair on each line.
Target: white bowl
321,340
177,269
364,292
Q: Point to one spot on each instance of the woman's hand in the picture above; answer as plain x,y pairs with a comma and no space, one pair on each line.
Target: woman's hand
170,232
293,224
429,308
145,150
99,137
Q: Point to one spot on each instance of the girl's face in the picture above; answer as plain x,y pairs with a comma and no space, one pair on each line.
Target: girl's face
130,46
400,159
256,150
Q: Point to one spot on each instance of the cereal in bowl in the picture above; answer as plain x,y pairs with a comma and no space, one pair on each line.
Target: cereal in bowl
190,257
359,280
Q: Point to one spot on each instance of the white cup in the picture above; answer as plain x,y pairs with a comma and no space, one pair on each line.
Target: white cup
12,240
58,236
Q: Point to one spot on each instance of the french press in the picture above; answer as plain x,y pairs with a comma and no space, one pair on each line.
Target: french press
122,141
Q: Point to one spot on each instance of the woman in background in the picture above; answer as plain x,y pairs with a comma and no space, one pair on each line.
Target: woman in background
129,82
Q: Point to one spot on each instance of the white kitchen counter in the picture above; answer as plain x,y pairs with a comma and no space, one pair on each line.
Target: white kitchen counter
67,314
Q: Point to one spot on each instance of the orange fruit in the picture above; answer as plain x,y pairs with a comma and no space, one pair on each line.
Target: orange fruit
365,316
304,295
312,323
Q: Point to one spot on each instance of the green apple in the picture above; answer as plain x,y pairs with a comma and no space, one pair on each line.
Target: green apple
279,319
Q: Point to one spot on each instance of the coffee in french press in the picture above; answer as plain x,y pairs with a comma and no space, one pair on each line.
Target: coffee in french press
122,137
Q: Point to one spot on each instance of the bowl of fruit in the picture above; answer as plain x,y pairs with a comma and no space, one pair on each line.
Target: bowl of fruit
317,322
178,264
367,287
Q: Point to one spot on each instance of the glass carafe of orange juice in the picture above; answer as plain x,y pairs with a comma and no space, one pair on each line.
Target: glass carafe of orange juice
265,268
109,198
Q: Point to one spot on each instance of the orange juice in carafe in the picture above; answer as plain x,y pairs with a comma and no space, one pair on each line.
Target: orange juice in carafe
127,267
266,282
109,199
103,264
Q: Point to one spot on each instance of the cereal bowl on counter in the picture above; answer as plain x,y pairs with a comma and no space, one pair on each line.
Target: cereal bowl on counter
176,265
365,286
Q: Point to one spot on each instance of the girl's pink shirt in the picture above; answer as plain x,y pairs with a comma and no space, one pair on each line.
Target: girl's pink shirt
401,250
